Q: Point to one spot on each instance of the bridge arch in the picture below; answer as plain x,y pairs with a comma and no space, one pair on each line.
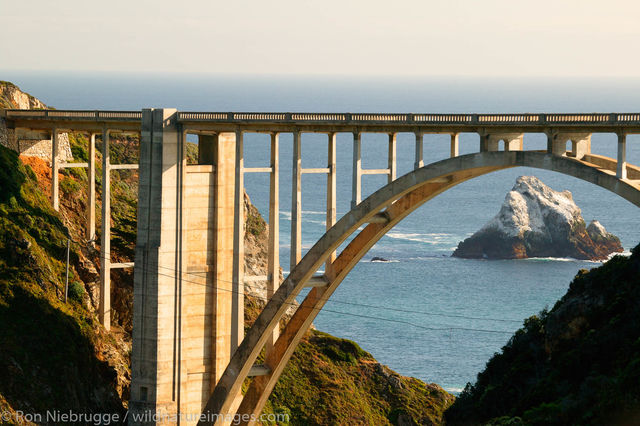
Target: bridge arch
380,212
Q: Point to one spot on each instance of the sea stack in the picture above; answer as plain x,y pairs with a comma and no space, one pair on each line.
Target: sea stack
536,221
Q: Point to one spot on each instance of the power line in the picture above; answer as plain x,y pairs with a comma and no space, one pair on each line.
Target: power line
443,328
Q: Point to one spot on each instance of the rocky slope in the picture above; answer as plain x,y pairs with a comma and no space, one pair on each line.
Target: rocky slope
11,97
536,221
52,353
578,363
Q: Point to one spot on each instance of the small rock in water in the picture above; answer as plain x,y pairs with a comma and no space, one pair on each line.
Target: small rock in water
536,221
379,259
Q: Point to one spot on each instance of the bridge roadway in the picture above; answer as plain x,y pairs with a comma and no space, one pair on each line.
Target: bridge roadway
189,348
195,122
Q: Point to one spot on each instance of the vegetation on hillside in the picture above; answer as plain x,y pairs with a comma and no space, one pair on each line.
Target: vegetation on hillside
578,363
49,353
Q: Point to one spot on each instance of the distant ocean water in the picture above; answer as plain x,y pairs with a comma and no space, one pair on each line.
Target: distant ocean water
424,314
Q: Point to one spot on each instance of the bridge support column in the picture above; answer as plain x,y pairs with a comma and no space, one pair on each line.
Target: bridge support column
356,188
580,144
55,184
296,203
621,171
512,141
237,308
455,146
331,193
157,367
104,310
419,151
554,145
91,198
273,261
484,142
391,161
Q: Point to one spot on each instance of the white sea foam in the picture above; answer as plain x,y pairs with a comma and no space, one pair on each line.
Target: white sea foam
430,238
454,390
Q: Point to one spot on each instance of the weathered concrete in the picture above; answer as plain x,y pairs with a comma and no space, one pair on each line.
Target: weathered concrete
156,355
237,309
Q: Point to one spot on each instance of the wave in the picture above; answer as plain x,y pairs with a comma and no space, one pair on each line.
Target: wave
625,253
430,238
454,390
554,259
384,261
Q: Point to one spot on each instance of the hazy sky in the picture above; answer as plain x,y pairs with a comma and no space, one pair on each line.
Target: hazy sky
362,37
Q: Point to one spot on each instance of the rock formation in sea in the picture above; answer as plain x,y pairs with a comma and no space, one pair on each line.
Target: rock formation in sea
536,221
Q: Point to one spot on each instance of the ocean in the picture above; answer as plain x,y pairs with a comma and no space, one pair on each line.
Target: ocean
423,313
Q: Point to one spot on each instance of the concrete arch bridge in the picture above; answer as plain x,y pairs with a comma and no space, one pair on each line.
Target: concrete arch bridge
190,352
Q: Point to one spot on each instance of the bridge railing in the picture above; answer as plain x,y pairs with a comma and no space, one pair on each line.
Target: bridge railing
338,118
355,118
90,115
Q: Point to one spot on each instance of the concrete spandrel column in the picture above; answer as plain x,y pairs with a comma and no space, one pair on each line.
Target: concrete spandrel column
237,307
296,203
555,145
104,310
91,199
621,170
273,261
55,184
392,157
356,190
455,145
419,159
484,143
331,193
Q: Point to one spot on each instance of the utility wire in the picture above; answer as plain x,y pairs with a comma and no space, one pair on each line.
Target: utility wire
443,328
365,305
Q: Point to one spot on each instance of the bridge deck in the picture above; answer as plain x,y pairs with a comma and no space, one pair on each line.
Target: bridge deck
331,122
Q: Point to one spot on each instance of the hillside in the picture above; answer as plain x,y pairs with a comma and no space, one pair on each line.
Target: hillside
55,354
578,363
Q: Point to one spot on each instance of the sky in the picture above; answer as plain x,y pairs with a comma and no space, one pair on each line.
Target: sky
549,38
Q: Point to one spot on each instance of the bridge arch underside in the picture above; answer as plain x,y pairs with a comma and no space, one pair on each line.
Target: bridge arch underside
393,202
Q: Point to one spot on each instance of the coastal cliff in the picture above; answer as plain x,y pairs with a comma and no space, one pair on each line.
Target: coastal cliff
578,363
31,144
536,221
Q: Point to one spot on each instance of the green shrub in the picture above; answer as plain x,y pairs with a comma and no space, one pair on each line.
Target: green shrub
70,186
76,291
